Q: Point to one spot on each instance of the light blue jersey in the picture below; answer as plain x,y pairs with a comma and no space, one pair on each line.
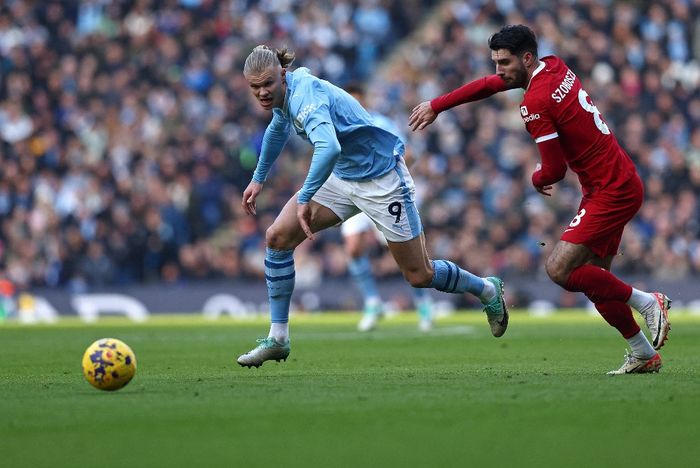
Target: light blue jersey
347,140
385,122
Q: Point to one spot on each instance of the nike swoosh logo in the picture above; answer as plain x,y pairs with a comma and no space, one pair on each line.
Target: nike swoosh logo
632,371
567,230
504,320
658,332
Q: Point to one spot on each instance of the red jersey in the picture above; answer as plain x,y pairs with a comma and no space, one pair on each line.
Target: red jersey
555,106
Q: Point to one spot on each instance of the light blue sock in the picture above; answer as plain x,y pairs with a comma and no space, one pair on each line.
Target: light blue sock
279,274
361,271
450,278
423,303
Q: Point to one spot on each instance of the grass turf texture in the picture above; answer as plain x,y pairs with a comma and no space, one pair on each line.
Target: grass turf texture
455,397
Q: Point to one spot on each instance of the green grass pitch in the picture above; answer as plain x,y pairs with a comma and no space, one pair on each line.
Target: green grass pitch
538,397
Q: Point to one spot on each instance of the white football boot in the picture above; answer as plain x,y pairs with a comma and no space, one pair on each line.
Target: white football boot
635,365
657,320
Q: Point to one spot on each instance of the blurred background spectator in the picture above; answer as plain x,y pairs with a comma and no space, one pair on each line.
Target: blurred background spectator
127,132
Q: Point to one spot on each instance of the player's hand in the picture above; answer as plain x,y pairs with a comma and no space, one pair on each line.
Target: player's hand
304,217
421,116
543,189
249,195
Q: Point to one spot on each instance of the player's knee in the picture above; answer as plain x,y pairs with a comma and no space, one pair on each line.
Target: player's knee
419,278
557,272
277,239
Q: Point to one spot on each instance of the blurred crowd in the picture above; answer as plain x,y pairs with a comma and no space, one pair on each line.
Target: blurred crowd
639,61
128,133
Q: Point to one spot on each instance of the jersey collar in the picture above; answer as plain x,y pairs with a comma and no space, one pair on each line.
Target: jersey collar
292,79
539,68
289,79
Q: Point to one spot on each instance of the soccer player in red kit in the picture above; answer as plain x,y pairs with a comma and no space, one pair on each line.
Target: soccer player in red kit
570,131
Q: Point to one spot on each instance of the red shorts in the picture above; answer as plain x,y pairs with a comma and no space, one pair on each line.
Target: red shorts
602,217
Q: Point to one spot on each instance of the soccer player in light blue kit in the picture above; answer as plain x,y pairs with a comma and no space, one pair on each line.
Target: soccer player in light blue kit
356,166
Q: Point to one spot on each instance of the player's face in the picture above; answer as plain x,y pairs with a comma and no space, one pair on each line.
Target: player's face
267,87
510,68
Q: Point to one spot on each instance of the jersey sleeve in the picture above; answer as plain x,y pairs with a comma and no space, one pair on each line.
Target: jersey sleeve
310,107
312,115
472,91
326,152
538,119
553,167
276,135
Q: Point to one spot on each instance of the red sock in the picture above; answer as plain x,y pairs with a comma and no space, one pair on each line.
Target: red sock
598,284
619,315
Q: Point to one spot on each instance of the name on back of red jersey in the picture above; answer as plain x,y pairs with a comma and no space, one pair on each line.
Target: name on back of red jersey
564,87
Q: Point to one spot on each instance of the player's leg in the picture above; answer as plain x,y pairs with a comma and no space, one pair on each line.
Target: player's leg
570,265
390,202
354,232
642,357
586,272
422,299
281,238
446,276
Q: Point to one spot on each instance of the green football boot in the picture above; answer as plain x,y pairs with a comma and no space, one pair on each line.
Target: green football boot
268,349
496,310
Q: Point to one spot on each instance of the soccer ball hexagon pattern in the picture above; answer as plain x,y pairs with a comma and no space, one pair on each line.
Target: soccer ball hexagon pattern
109,364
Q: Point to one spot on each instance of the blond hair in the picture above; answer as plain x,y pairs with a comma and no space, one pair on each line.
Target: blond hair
263,57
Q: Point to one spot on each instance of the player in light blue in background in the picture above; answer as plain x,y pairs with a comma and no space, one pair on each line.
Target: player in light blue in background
356,166
358,231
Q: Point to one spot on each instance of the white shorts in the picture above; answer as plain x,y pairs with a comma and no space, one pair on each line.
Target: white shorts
389,201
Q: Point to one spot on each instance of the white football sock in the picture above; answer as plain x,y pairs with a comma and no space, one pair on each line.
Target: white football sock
641,301
641,347
489,291
279,331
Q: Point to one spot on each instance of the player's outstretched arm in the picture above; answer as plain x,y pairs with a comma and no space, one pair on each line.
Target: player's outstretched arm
426,112
473,91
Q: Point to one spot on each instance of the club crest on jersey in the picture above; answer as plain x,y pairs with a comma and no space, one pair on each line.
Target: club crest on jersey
523,110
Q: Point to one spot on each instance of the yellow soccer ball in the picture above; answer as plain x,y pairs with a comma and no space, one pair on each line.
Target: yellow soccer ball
109,364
